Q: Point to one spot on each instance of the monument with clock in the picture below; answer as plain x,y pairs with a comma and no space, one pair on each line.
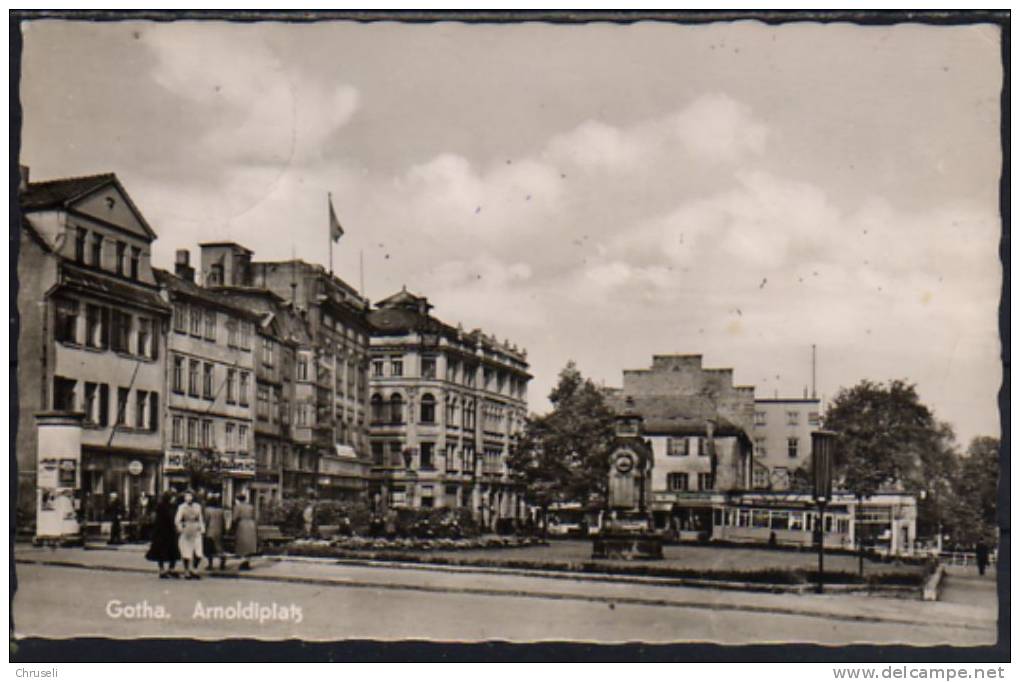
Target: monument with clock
626,531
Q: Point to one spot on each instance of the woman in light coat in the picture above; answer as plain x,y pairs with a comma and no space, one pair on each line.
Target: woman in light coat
245,531
191,527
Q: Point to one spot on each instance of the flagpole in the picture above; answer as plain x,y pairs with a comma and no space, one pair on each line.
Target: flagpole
330,200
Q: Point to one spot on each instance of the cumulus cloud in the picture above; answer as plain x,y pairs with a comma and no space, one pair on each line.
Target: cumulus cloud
714,128
261,110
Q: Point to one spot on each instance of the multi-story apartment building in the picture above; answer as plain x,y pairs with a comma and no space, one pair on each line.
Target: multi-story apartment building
330,384
210,386
447,406
782,440
91,337
281,468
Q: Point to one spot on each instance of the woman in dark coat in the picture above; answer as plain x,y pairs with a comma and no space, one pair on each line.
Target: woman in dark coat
163,549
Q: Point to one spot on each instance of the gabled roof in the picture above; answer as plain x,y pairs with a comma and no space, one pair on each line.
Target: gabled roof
673,415
28,228
179,285
404,299
65,192
58,193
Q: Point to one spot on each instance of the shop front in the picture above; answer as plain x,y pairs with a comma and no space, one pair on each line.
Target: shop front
127,473
225,474
686,515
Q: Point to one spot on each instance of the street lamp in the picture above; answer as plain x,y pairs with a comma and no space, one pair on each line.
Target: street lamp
823,445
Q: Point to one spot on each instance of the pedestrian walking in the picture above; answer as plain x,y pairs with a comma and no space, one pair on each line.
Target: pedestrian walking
981,552
115,513
214,531
245,531
191,526
163,549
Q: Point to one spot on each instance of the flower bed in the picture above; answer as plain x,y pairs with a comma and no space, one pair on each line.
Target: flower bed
437,552
343,546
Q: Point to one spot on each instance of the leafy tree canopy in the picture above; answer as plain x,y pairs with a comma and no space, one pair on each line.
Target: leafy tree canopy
887,437
564,455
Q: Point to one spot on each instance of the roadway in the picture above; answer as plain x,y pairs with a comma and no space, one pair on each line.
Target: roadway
75,593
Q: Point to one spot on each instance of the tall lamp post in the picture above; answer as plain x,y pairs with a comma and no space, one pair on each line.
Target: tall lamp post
823,445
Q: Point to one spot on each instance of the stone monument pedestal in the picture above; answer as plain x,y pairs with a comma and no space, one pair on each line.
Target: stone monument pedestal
626,545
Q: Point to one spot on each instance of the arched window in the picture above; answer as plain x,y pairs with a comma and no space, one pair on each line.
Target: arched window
428,409
396,409
378,411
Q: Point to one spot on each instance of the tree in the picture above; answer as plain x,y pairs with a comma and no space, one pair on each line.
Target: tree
975,514
886,438
564,455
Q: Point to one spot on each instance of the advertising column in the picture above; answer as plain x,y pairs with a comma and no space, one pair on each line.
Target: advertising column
59,475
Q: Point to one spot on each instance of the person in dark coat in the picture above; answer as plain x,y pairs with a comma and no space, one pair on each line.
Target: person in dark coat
163,548
115,512
245,531
982,557
214,531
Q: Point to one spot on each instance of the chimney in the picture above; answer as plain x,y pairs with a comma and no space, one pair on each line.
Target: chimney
182,265
23,179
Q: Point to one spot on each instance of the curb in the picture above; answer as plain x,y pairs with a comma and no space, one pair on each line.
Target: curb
556,596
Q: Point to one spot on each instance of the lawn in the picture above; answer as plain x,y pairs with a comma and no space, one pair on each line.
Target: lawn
680,557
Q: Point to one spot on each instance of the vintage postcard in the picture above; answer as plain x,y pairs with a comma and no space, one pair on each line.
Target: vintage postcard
536,329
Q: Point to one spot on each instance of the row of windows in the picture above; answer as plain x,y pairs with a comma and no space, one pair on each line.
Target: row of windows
392,411
427,456
270,405
271,455
105,328
203,323
89,251
778,519
94,400
680,482
682,447
792,418
455,373
195,432
198,379
337,325
792,447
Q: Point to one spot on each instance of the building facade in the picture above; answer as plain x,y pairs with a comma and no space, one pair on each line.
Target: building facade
724,464
782,440
210,387
92,337
281,469
446,408
329,453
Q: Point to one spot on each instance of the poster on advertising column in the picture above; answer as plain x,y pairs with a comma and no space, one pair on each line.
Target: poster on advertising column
58,476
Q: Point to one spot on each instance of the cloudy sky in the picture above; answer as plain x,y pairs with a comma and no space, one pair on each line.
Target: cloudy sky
598,193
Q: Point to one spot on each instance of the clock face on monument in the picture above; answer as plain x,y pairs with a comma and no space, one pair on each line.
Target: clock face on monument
624,460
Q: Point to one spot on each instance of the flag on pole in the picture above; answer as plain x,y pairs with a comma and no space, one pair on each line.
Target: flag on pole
335,230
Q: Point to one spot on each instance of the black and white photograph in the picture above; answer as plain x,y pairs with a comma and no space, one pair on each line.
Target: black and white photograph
522,329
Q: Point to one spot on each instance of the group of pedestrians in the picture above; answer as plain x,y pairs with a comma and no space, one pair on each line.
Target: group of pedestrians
188,531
